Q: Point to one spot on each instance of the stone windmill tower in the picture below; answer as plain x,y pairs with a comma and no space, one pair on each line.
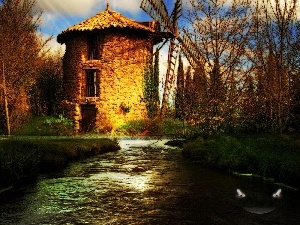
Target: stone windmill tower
103,69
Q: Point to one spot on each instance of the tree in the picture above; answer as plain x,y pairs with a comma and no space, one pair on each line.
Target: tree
156,83
294,122
249,105
179,98
200,87
151,86
220,30
188,94
20,47
273,55
46,92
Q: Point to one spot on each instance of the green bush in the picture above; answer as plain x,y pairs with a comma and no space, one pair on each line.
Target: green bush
133,127
173,127
47,126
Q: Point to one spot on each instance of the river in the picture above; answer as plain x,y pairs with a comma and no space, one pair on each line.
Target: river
147,182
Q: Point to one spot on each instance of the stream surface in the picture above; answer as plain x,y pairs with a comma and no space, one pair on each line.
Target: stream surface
146,182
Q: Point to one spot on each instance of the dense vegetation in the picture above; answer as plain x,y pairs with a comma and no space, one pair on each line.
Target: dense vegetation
30,81
22,159
247,79
151,84
268,155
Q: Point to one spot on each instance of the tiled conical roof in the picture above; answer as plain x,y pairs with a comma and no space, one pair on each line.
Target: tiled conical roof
104,20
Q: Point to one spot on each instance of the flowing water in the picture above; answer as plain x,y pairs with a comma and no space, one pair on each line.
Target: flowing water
147,182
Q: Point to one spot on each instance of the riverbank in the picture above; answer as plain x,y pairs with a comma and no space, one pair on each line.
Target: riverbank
274,156
108,189
22,159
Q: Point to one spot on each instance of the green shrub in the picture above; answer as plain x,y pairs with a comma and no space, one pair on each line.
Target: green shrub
47,126
133,127
179,128
60,120
168,126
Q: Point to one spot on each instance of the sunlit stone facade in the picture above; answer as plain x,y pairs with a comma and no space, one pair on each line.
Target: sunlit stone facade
103,68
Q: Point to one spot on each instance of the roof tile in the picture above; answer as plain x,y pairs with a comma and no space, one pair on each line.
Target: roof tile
104,20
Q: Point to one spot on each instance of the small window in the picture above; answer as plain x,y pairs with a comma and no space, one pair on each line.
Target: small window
95,43
92,84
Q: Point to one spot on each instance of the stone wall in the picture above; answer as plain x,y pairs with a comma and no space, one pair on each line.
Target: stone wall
72,74
120,69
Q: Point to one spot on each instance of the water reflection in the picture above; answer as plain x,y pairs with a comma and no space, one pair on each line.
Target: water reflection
145,182
132,181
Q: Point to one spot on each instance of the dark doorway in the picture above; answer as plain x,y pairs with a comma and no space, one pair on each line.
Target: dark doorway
88,113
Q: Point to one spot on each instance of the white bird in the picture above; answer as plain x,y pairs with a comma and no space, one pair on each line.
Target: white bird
240,194
277,194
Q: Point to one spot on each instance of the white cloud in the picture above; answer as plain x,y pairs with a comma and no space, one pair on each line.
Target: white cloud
67,7
52,46
86,8
55,46
59,15
130,6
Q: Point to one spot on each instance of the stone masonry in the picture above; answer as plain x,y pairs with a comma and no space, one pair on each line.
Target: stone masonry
124,52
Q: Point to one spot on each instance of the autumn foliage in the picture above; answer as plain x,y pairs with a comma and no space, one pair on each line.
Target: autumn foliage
248,77
25,65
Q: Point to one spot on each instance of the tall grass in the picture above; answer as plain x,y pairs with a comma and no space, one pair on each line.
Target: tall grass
276,156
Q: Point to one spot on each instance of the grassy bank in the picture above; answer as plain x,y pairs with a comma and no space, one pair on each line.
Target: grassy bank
276,156
21,160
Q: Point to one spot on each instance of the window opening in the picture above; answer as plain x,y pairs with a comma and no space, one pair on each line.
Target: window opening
91,84
95,42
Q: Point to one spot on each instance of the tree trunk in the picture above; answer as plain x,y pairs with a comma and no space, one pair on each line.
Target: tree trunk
5,101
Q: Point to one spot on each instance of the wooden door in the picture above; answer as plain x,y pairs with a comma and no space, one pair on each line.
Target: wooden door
88,113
